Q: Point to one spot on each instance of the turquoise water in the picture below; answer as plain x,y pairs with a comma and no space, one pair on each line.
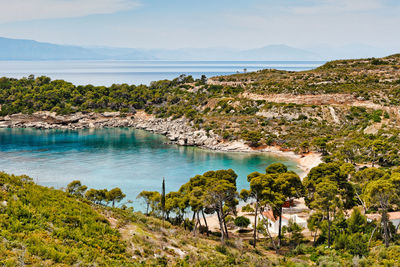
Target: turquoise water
133,160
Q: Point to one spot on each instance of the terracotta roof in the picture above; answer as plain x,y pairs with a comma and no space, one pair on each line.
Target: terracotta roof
270,215
373,216
394,215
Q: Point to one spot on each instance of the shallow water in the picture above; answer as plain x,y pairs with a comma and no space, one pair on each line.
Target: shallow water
133,160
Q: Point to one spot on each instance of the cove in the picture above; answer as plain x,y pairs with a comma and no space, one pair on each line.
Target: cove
131,159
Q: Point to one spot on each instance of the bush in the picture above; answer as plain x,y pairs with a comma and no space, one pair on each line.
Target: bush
242,222
247,208
188,224
221,249
253,137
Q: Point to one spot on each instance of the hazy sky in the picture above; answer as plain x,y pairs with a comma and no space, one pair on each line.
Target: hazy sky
203,23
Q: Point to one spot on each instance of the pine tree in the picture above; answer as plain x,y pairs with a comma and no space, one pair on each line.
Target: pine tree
163,200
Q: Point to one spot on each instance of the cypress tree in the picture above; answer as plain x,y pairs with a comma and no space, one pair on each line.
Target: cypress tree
163,200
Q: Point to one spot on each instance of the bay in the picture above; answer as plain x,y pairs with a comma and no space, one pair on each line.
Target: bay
108,72
131,159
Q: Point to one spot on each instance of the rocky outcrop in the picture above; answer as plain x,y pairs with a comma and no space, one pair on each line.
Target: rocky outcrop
178,131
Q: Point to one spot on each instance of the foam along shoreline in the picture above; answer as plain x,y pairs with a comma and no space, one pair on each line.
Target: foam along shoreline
177,131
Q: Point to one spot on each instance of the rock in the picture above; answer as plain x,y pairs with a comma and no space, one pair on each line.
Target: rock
132,110
177,131
111,114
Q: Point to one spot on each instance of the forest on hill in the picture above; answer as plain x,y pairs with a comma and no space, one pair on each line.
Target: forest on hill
347,109
349,221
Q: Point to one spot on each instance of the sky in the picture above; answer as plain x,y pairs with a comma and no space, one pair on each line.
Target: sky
241,24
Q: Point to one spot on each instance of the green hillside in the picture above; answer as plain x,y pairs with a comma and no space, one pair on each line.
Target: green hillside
42,226
346,109
377,79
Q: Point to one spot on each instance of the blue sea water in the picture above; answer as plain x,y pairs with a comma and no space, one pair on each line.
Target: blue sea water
133,160
107,72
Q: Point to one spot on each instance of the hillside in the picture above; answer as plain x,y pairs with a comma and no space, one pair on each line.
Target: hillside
41,226
346,109
368,79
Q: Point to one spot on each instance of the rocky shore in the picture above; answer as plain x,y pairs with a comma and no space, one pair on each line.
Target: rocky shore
178,131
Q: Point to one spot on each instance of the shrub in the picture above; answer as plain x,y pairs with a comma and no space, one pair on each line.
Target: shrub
242,221
221,249
247,208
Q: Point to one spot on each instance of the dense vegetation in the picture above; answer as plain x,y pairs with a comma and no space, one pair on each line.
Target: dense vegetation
355,133
44,226
39,225
81,226
373,78
338,198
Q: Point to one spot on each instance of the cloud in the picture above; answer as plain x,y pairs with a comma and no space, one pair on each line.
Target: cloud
338,6
25,10
337,22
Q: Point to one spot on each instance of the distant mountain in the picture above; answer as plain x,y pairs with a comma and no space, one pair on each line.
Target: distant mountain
278,52
122,53
271,52
193,54
18,49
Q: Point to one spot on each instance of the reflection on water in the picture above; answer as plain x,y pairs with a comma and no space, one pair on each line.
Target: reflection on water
133,160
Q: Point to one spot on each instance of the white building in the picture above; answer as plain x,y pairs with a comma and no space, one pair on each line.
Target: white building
394,217
274,221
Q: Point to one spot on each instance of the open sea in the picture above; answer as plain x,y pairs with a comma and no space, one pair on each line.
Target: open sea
108,72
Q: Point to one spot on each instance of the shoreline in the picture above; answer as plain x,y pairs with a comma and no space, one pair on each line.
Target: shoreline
177,131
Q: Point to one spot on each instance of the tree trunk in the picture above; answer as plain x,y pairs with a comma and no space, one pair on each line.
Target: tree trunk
205,221
198,223
315,237
194,216
198,218
269,234
329,230
255,226
147,209
195,225
362,203
372,234
280,228
182,217
221,227
385,227
225,227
